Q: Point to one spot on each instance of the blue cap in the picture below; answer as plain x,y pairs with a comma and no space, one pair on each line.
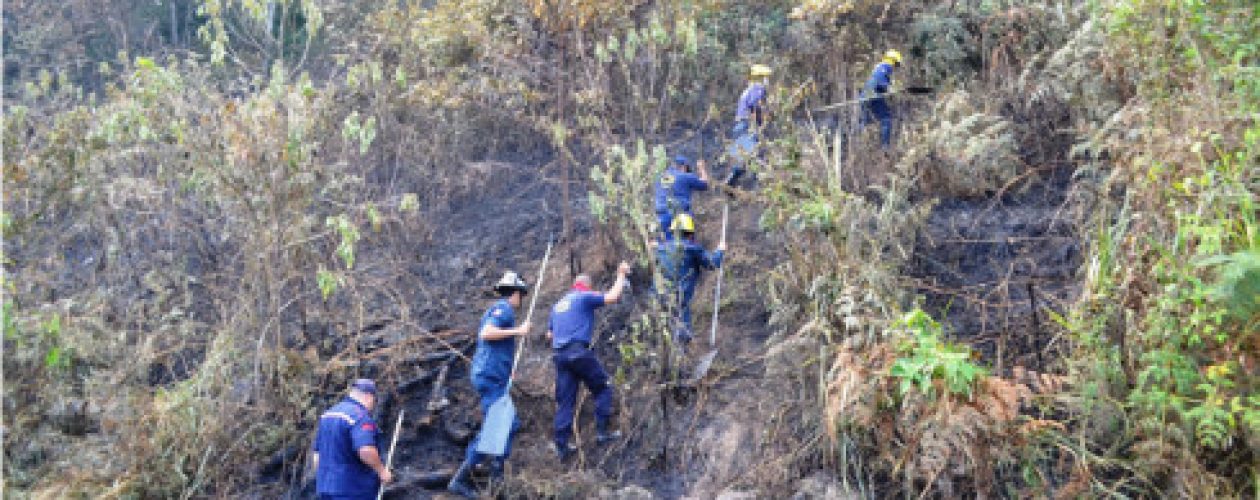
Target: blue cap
681,160
364,385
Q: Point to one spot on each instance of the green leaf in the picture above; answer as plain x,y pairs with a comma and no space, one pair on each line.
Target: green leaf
327,282
410,203
10,324
53,359
367,135
52,327
400,77
374,217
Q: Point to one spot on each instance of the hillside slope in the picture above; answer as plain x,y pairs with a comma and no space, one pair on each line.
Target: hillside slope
218,213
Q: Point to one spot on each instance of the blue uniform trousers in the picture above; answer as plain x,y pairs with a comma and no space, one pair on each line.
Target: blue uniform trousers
680,295
877,109
576,364
685,292
742,150
490,391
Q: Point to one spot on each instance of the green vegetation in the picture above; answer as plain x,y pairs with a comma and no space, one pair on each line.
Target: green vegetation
216,212
926,360
1167,323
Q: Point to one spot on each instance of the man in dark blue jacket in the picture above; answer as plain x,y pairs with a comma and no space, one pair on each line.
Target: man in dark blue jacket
491,370
875,103
674,188
681,262
347,461
571,328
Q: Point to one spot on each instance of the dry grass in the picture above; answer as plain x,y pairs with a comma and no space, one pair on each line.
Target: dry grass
948,444
966,152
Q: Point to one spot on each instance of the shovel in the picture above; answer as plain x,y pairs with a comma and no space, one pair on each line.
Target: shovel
907,90
498,424
706,361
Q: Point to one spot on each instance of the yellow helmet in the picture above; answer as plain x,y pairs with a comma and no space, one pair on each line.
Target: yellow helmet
760,70
892,57
683,223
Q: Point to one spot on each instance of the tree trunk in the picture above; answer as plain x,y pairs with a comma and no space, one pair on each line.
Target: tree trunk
174,23
565,165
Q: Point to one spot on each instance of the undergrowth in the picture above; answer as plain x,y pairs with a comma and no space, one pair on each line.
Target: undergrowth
199,237
1167,328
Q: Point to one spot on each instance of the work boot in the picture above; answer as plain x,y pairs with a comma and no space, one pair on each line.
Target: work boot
564,451
496,475
459,484
604,436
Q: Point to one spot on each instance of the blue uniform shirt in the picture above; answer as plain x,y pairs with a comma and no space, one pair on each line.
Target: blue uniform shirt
682,260
879,81
343,429
573,318
750,101
493,360
676,185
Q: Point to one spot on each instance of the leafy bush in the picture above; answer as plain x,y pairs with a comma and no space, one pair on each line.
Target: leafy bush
1167,321
926,361
926,412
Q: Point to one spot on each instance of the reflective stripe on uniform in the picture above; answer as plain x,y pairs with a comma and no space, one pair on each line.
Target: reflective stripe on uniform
336,414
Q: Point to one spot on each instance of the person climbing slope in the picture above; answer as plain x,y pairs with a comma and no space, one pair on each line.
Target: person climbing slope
874,96
750,116
347,460
682,261
673,190
491,369
571,328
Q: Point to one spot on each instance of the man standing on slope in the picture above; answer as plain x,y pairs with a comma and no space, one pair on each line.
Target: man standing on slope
570,329
681,262
347,461
673,191
750,116
874,96
491,369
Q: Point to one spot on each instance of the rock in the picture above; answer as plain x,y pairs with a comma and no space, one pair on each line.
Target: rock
822,486
75,416
785,359
736,495
631,492
719,447
460,433
279,459
434,479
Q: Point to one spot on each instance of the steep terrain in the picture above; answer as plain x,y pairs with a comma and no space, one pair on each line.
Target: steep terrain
709,424
991,266
218,212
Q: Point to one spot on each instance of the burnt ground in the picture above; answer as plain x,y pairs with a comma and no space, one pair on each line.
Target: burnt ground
984,265
506,222
993,267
